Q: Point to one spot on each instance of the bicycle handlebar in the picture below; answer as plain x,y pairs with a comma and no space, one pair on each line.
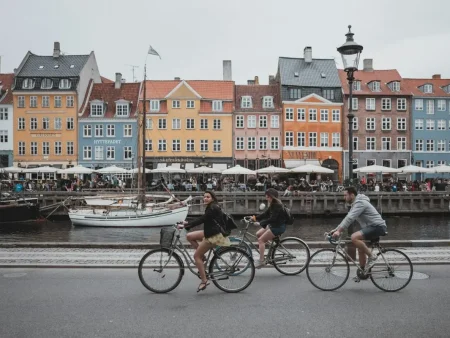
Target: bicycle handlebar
329,237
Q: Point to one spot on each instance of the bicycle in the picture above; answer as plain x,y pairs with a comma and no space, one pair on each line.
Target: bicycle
289,255
392,271
225,265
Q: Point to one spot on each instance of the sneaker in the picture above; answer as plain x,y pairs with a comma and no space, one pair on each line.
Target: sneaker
371,262
259,264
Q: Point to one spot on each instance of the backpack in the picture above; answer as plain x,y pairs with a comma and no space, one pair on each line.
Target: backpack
288,216
227,225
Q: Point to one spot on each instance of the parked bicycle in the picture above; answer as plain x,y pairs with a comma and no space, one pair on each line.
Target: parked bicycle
161,270
289,255
329,269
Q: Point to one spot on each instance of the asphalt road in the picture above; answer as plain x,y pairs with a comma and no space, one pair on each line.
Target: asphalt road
112,303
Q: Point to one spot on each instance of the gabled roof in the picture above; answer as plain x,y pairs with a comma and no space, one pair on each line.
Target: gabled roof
44,66
105,80
6,82
414,84
320,73
207,89
313,99
183,83
257,92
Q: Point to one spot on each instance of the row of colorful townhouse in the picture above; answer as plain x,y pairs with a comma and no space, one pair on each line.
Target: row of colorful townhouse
57,110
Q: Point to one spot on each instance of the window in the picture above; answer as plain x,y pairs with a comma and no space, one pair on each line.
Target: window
430,164
58,148
430,145
395,86
263,121
328,94
127,130
274,143
175,104
419,145
324,139
371,143
336,139
401,104
313,115
401,123
4,114
440,162
110,153
371,162
251,143
69,101
370,123
69,146
402,163
34,148
217,145
69,123
21,148
154,105
3,136
64,84
401,143
370,104
289,114
110,130
203,145
385,104
176,124
21,123
33,101
121,109
127,154
386,123
385,143
28,84
430,107
289,139
375,86
336,115
190,145
239,143
99,130
45,123
203,123
190,124
96,109
418,124
45,101
46,84
87,153
313,139
324,115
148,145
149,124
274,121
58,102
386,163
441,145
355,123
441,106
21,102
418,104
268,102
294,93
251,121
162,146
190,104
441,125
355,143
217,105
239,121
263,142
430,125
98,153
87,130
162,124
428,88
301,115
217,124
33,123
301,139
246,102
355,103
357,85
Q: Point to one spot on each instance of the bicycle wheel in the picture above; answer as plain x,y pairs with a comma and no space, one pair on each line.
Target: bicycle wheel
392,271
328,270
237,242
290,256
231,269
161,270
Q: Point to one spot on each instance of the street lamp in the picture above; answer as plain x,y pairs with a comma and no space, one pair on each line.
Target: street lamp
350,52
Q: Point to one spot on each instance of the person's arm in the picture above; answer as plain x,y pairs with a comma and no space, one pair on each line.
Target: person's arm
195,222
210,214
264,215
356,210
276,215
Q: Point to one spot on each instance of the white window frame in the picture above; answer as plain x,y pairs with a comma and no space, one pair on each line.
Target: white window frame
370,123
70,101
401,123
58,147
70,148
21,102
148,145
430,145
154,105
401,104
240,121
262,121
57,123
22,148
268,102
430,124
65,84
371,143
96,109
418,104
176,145
246,102
274,143
204,124
274,121
190,124
21,123
217,146
162,145
33,101
99,130
176,124
70,123
385,141
239,143
45,123
262,143
429,164
401,143
58,101
127,130
162,123
217,124
376,86
289,114
176,104
110,153
335,140
289,138
428,88
190,145
395,86
441,105
418,124
336,115
190,104
355,123
217,105
324,139
430,107
251,143
46,83
371,103
301,139
204,146
122,110
324,115
418,145
251,121
355,143
312,137
33,123
127,153
45,101
386,123
34,148
301,114
110,130
312,112
441,125
386,103
87,130
440,145
87,153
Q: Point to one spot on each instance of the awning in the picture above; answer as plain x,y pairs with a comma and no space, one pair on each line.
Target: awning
161,165
297,163
220,166
176,165
189,166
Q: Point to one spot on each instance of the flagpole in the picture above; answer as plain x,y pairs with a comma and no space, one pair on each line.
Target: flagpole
144,125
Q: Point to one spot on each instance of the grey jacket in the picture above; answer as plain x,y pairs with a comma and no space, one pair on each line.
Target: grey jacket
363,212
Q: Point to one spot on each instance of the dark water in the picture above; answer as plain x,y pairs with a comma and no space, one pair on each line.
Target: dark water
310,229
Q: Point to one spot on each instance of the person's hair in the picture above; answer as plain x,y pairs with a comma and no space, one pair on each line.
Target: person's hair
351,190
213,195
274,194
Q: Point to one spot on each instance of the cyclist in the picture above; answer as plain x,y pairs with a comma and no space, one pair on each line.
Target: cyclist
275,217
372,225
211,235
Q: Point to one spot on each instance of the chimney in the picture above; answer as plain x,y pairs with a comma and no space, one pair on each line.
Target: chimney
256,80
56,50
177,78
227,70
307,54
271,79
118,81
368,65
436,76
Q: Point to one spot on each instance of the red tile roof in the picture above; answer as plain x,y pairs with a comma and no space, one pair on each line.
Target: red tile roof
414,84
257,92
207,89
105,80
6,82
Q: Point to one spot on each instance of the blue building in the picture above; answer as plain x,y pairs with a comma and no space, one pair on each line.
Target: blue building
108,129
430,122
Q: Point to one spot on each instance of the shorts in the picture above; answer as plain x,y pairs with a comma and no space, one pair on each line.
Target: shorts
278,230
218,240
373,232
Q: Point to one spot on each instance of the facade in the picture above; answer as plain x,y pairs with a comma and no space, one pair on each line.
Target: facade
189,123
108,129
6,120
430,121
381,127
48,92
257,126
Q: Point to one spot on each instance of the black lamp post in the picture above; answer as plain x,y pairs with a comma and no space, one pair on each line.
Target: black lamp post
350,52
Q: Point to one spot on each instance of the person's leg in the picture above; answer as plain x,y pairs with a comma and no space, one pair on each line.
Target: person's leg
358,242
265,237
362,258
194,237
202,249
260,232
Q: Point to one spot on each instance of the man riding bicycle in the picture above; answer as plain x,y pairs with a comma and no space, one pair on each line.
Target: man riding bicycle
372,225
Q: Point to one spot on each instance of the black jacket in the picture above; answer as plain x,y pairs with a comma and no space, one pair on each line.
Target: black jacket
274,216
212,216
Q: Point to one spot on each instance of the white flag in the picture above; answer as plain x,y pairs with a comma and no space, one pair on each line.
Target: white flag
153,52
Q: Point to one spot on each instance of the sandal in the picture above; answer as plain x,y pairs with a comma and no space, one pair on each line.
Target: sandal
201,288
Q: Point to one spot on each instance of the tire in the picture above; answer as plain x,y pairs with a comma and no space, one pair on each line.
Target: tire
154,262
236,242
393,275
323,268
290,256
234,258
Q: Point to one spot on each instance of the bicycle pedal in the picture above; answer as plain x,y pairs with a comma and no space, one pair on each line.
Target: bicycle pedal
356,280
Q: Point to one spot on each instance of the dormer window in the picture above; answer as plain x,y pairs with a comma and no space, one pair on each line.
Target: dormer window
154,105
395,86
246,102
28,84
446,89
428,89
375,86
268,102
46,84
217,105
64,84
96,108
357,85
122,108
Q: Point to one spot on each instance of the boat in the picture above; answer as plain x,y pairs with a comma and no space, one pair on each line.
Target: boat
123,200
17,209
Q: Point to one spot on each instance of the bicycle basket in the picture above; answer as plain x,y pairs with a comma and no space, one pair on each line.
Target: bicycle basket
166,238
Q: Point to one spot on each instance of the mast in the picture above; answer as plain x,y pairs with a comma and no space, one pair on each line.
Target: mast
144,123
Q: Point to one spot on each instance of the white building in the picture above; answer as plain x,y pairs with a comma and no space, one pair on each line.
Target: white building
6,120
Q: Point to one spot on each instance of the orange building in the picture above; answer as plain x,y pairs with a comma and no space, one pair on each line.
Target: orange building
312,129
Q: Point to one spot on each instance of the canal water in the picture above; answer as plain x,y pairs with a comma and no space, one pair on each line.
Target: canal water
310,229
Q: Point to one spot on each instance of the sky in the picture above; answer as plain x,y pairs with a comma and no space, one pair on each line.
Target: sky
193,37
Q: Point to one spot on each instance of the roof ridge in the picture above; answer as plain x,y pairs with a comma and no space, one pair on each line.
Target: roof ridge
423,78
297,58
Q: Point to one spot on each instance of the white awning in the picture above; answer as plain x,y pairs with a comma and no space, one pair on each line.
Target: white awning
176,165
296,163
161,165
220,166
189,166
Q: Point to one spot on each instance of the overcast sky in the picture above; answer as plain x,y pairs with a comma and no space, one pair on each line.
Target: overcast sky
194,36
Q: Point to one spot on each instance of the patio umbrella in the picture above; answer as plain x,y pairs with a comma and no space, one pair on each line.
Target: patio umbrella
204,170
135,171
112,170
441,169
45,169
79,169
168,170
11,170
272,170
238,170
413,169
377,169
312,169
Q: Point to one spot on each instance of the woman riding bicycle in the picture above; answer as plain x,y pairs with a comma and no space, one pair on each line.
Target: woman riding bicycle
275,217
211,236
